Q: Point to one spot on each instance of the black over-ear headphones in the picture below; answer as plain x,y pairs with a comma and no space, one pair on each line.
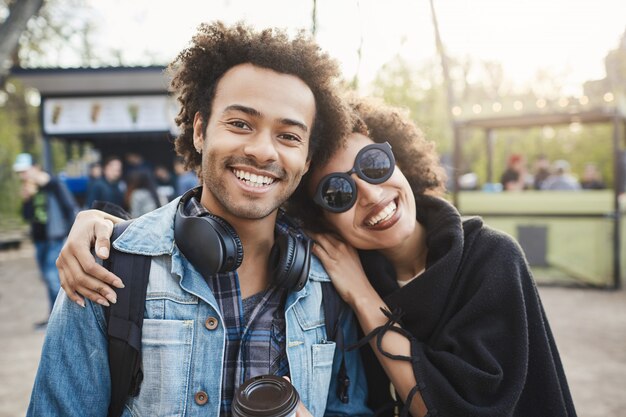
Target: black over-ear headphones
212,246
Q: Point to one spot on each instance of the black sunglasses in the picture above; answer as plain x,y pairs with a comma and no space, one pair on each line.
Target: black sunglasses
374,163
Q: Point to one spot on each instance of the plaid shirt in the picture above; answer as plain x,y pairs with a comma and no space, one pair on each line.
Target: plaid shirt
255,328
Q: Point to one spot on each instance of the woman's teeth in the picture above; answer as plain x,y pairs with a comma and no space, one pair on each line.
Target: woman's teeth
384,214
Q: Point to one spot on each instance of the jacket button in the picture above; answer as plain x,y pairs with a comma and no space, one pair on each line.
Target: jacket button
211,323
201,397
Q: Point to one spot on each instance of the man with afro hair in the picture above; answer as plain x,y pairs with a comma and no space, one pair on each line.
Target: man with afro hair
255,108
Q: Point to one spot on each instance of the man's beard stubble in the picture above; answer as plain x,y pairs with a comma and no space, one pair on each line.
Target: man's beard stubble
247,209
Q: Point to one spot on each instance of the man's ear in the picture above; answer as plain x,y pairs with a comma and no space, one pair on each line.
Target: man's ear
198,132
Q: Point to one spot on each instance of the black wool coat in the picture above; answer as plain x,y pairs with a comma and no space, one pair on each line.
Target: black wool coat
481,343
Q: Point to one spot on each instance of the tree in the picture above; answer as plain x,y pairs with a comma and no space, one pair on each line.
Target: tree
314,19
421,92
445,71
30,30
61,35
615,63
9,147
19,12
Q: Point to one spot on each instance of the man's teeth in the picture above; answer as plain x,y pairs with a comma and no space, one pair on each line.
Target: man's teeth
253,179
384,214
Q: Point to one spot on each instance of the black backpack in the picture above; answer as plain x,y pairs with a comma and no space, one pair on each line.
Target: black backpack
125,321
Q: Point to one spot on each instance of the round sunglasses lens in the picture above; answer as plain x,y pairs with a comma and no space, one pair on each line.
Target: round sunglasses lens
337,192
374,164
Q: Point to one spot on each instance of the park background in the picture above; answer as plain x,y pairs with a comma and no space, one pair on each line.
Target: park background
443,61
502,57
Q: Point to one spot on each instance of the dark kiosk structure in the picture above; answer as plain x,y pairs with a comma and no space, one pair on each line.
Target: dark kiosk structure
116,109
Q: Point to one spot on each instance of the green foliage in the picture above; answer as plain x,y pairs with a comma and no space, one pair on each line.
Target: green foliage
421,91
9,184
19,132
64,27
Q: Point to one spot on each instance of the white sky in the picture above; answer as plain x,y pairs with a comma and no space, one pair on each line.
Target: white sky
567,37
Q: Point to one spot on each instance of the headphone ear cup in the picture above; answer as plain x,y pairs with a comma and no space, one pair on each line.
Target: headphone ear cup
209,242
289,261
233,249
281,260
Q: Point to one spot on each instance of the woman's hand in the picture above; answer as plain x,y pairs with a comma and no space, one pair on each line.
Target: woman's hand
79,272
342,263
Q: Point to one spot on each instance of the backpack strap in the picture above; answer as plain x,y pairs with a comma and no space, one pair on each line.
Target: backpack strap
111,208
334,306
124,323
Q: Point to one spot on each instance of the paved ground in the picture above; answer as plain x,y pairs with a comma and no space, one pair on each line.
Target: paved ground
589,326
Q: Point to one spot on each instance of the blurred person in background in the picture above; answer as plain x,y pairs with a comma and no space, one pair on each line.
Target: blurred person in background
541,171
134,161
561,179
93,175
107,188
95,171
592,178
165,184
50,208
141,194
185,179
514,177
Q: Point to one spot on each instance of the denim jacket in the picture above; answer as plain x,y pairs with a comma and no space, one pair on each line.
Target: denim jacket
181,346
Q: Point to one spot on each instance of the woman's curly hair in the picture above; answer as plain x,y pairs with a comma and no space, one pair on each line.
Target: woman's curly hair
216,48
415,156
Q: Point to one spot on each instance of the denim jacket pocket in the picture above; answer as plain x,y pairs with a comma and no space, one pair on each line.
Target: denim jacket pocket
166,354
323,354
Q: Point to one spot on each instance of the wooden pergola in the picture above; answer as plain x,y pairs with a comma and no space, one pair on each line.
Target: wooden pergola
608,115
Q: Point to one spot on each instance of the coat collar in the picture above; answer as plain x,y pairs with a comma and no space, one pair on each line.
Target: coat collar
445,240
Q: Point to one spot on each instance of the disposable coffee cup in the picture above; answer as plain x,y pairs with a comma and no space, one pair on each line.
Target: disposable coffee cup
265,396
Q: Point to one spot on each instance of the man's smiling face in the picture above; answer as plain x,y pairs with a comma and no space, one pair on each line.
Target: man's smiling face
255,144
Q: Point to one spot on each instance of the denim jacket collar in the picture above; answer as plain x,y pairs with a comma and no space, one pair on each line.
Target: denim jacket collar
151,234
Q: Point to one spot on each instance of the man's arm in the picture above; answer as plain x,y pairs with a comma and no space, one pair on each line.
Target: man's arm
65,198
78,270
27,190
73,375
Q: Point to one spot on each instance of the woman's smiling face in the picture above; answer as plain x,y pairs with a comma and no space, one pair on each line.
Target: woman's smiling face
383,215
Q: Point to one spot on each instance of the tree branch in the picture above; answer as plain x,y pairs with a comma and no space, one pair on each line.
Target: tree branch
10,30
